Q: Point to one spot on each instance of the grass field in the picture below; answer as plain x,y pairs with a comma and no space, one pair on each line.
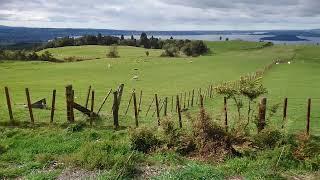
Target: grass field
36,153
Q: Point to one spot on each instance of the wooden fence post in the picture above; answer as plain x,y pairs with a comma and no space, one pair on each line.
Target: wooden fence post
172,104
115,110
69,98
9,105
165,106
226,113
157,108
92,107
29,106
262,114
140,101
192,98
308,117
211,89
88,96
179,111
184,100
189,99
285,106
135,108
53,105
201,101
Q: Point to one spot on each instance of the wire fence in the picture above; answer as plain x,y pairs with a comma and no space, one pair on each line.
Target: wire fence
295,120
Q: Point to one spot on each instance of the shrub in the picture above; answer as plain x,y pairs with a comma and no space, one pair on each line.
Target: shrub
143,139
3,149
268,138
147,53
76,127
170,50
113,52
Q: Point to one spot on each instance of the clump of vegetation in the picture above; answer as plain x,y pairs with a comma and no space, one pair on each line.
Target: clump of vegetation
170,51
21,55
249,87
268,138
3,149
76,127
144,139
147,53
73,59
113,52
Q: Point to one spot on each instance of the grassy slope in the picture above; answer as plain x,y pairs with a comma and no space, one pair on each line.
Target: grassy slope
155,74
28,151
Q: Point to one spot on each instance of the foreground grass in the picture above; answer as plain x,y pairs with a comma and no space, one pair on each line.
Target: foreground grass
51,152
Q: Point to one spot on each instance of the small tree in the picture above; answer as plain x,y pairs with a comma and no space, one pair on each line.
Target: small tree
113,52
147,53
251,87
231,91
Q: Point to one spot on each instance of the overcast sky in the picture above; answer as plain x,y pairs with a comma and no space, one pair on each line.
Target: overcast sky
163,14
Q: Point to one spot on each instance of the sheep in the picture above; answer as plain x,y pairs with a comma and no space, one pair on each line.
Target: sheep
289,62
135,77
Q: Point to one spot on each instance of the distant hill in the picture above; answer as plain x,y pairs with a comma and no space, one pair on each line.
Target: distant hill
14,35
283,37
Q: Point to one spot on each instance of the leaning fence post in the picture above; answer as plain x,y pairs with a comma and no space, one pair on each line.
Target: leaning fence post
129,103
9,104
115,110
225,114
157,108
135,108
308,117
285,105
53,105
29,105
88,96
179,111
262,114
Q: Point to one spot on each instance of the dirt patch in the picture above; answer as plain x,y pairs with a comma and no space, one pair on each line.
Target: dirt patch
147,172
77,174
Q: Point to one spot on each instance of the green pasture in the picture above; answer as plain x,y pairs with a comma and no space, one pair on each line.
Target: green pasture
167,77
47,152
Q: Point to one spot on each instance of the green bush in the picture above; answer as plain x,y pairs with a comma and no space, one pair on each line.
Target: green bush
143,139
113,52
3,149
76,127
268,139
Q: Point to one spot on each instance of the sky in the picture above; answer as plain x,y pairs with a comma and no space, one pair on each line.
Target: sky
162,14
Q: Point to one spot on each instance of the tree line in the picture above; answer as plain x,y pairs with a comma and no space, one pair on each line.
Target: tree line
171,46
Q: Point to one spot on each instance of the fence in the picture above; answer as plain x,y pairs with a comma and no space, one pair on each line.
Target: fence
133,108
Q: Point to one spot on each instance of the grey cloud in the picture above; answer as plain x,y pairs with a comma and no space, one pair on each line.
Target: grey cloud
162,14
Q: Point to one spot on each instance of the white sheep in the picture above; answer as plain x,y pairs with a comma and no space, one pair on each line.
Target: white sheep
289,62
135,77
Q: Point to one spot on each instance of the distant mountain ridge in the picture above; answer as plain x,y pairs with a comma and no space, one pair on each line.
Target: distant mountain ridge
13,35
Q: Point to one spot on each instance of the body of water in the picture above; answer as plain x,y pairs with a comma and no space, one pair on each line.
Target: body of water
244,37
